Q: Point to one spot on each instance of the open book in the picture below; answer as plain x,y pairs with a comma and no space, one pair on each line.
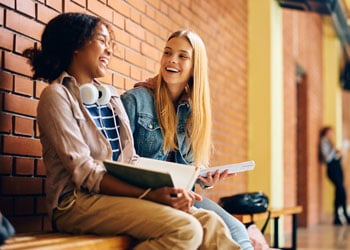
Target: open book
151,173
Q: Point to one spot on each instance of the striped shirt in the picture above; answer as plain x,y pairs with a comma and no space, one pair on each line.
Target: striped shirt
108,124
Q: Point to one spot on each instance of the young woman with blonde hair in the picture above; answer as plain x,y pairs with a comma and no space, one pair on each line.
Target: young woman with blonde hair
170,116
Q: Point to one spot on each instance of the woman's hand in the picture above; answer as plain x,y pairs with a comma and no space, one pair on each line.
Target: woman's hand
177,198
211,179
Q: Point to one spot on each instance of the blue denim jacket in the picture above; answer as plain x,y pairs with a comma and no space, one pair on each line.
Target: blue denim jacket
148,137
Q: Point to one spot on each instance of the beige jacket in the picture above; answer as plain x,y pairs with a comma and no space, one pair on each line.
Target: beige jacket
73,148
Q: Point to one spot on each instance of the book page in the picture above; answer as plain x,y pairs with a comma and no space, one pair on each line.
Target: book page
182,175
232,168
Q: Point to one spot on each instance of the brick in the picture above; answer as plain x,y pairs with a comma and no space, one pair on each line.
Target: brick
154,3
134,29
17,64
122,37
5,123
149,24
80,2
168,23
2,16
45,14
139,5
134,58
24,126
23,86
13,185
24,166
135,44
6,163
150,51
6,205
129,84
146,74
121,7
135,73
119,66
70,6
21,24
150,12
36,127
21,146
41,205
119,51
6,80
152,65
100,9
107,78
26,7
20,104
39,87
57,5
25,224
24,206
6,39
118,20
135,16
8,3
118,81
40,169
22,43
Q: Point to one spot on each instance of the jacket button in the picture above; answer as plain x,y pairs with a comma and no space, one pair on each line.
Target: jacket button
150,126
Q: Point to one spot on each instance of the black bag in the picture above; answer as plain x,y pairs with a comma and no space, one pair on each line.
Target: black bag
245,203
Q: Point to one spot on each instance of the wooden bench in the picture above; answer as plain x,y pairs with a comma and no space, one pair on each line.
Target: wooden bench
60,241
275,214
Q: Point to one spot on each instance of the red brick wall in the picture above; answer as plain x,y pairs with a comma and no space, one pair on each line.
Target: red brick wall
302,34
141,28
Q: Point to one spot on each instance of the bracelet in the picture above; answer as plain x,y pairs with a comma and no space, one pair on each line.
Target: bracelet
145,193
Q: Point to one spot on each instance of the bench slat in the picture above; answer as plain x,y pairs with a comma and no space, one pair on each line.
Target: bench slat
50,241
275,212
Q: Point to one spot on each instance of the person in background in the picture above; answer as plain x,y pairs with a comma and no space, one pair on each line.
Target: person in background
170,116
332,157
82,123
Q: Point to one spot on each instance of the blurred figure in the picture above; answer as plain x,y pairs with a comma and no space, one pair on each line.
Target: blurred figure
332,157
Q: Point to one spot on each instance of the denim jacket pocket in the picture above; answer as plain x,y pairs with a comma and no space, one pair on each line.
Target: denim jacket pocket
148,137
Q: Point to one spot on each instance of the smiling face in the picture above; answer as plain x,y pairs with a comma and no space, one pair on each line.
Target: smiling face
177,65
92,59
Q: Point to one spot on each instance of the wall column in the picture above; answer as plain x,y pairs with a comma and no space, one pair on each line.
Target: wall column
265,98
332,98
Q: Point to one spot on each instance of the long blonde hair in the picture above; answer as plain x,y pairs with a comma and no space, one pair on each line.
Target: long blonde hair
199,125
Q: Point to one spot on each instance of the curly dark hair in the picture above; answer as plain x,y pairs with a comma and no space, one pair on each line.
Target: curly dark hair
63,35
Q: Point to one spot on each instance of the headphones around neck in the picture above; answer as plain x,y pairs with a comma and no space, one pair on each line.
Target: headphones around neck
91,94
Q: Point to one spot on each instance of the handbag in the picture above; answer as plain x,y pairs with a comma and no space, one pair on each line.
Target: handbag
245,203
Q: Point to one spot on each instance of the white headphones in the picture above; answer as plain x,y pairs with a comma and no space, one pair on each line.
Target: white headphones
91,94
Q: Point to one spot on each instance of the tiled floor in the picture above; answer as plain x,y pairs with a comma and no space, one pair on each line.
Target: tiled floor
325,236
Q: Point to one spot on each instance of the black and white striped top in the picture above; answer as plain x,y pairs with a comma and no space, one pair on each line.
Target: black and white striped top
107,123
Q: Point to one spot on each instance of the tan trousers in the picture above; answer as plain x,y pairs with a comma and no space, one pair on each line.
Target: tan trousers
156,226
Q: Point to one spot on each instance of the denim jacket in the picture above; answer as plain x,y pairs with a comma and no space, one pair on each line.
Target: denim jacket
148,137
